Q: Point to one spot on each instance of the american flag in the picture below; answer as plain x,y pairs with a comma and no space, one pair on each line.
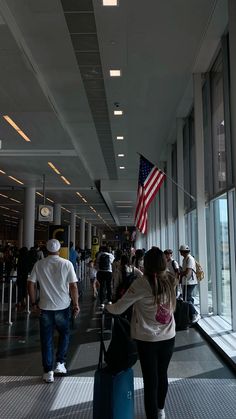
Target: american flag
150,180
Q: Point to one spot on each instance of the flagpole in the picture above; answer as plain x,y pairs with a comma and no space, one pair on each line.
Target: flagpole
172,180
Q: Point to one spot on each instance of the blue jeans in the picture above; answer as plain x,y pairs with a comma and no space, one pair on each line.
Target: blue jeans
49,321
190,299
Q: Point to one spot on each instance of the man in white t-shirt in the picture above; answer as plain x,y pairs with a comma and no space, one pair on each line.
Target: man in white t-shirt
188,280
104,262
58,285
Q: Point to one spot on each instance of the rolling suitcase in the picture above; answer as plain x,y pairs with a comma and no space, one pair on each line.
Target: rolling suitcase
182,313
113,395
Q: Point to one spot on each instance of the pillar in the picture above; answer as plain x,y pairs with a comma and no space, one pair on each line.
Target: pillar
57,214
20,233
29,217
89,236
82,234
73,226
180,181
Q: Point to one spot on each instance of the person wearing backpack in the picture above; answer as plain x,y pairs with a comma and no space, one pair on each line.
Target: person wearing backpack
104,274
152,326
188,279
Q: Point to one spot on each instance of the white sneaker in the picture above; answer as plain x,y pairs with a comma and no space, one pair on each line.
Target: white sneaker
48,377
196,318
60,368
161,414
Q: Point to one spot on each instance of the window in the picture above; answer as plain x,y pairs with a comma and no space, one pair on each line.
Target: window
218,126
222,257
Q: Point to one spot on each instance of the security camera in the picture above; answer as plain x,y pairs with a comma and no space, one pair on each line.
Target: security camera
116,104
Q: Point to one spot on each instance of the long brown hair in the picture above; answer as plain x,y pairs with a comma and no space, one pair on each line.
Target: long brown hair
161,282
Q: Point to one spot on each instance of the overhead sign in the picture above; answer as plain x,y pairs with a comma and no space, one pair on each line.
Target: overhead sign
45,213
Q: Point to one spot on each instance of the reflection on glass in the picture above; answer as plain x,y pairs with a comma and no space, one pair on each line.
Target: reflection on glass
218,128
209,257
222,258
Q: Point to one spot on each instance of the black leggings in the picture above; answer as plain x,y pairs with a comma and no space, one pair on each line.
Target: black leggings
154,359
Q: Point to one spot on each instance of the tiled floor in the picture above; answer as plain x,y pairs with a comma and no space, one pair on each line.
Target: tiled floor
201,385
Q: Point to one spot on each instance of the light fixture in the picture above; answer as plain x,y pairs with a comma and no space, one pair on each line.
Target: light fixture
122,167
6,208
16,180
50,200
38,193
4,196
119,137
15,200
12,123
65,180
121,155
124,206
77,193
115,73
54,168
65,209
110,2
117,113
83,199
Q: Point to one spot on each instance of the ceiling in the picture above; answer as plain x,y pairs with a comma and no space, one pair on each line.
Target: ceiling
55,58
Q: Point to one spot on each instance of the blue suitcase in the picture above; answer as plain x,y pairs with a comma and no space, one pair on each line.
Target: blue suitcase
113,394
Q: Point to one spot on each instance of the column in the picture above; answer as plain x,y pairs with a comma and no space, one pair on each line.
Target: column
29,217
232,66
73,226
57,214
180,181
170,241
94,230
89,236
82,234
20,233
200,188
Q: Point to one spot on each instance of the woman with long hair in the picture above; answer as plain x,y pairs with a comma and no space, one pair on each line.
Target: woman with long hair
153,327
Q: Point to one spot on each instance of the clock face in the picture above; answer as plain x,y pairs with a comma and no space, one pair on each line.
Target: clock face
44,211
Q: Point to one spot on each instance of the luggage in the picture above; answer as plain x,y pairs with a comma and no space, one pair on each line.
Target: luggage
181,314
121,353
104,262
113,394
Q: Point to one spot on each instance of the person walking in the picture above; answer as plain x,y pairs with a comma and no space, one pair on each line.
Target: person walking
189,281
153,327
58,285
104,274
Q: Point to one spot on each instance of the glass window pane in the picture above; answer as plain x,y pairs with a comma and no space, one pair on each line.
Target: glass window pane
218,129
222,258
209,258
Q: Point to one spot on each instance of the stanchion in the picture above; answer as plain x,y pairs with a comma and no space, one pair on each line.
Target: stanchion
10,303
28,304
3,291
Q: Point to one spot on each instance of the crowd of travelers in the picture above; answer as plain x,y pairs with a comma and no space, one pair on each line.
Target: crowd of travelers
142,286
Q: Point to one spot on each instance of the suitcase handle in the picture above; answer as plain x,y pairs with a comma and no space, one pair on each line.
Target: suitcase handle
102,350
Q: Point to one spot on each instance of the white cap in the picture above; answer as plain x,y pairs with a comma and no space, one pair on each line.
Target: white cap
53,245
184,248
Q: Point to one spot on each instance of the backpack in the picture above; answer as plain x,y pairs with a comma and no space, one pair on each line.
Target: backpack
199,271
174,267
122,350
104,262
127,280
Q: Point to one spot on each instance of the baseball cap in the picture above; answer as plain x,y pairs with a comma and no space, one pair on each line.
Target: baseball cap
53,245
184,248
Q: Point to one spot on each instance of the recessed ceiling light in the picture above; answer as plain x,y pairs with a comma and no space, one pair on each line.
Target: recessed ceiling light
54,168
65,180
110,2
38,193
50,200
16,180
15,200
4,196
119,137
12,123
115,73
122,167
118,112
121,155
